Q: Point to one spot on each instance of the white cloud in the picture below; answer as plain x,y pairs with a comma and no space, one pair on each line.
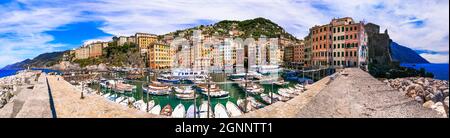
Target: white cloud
160,17
435,58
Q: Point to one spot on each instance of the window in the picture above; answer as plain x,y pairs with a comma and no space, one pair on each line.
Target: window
320,29
351,36
342,28
334,55
351,54
338,55
320,37
339,45
339,29
334,38
342,53
355,28
334,46
334,62
355,53
330,46
320,46
351,28
346,28
348,45
355,36
346,37
334,30
346,53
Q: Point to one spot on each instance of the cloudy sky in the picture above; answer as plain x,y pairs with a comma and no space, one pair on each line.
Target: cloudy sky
31,27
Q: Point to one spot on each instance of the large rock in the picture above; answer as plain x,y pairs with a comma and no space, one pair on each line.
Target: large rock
419,99
439,107
438,96
428,104
415,90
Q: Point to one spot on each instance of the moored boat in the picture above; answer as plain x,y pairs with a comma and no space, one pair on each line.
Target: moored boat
220,111
192,112
156,110
179,111
204,110
167,110
214,91
245,105
232,109
156,88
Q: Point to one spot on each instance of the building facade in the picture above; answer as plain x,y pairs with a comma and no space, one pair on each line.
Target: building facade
159,56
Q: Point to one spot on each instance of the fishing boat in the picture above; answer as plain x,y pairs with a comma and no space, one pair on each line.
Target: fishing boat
155,110
167,110
192,112
204,111
267,99
186,96
120,86
283,93
179,111
184,90
278,97
255,104
252,88
220,111
245,106
214,91
232,109
156,88
141,105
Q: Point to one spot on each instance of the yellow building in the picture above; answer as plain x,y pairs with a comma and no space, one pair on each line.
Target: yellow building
144,40
160,56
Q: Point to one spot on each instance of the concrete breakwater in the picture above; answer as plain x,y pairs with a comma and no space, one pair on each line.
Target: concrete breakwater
431,93
348,93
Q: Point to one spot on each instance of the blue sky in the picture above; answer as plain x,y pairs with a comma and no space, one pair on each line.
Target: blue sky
31,27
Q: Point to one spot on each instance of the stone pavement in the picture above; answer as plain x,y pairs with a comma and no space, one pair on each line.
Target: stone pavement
29,103
352,94
69,105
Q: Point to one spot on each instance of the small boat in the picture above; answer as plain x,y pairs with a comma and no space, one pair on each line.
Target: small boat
284,93
156,88
184,90
267,99
220,111
167,110
186,96
124,102
141,105
119,99
232,109
245,106
106,95
252,88
278,97
214,91
179,111
204,111
156,110
255,104
190,112
120,86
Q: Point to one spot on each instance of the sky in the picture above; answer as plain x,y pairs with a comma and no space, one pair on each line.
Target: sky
32,27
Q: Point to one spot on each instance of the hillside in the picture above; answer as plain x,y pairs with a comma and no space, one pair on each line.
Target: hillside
43,60
244,29
404,54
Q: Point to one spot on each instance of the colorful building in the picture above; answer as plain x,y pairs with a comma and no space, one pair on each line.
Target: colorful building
159,56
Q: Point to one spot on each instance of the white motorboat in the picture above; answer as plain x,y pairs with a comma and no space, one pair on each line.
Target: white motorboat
255,104
155,110
245,106
119,99
156,88
232,109
267,99
204,111
220,111
190,112
283,93
179,111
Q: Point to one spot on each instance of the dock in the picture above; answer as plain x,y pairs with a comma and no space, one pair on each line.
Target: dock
350,93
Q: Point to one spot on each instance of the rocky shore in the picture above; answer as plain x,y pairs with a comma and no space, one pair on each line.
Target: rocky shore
431,93
11,85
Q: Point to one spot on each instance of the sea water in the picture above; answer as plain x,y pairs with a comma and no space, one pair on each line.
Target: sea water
440,71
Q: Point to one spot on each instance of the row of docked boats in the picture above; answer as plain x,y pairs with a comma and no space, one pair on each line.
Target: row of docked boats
117,85
220,111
